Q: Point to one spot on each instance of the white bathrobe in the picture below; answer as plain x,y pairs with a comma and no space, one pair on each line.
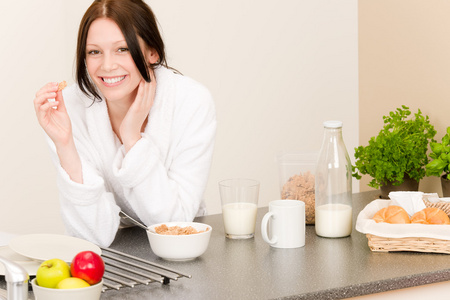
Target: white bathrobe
163,176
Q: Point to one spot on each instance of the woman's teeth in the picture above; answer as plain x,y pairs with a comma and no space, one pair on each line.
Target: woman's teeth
113,80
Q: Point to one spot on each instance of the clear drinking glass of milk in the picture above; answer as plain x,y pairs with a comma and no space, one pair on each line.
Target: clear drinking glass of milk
239,205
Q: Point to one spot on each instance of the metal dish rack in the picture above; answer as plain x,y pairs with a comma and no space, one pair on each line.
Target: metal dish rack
124,270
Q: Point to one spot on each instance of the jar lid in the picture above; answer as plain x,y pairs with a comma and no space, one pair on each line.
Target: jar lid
332,124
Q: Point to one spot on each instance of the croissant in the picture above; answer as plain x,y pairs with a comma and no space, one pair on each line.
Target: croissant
431,215
392,214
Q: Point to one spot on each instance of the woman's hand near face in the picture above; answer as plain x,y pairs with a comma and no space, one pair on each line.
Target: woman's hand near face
52,116
55,121
132,124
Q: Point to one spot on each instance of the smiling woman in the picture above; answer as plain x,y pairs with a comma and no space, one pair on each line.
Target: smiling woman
134,30
114,72
116,142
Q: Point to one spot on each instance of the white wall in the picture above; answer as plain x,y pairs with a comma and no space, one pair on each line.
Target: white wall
276,70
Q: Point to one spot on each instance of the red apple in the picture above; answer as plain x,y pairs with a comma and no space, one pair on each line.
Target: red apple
88,266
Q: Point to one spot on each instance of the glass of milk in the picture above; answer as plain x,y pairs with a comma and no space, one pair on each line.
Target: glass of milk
239,205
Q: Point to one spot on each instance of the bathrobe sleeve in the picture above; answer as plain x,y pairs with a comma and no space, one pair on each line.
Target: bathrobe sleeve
163,187
88,210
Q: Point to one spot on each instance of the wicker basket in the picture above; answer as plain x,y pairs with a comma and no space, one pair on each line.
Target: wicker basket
416,244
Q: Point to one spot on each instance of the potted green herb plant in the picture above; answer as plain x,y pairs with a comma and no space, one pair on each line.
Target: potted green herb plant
440,165
398,154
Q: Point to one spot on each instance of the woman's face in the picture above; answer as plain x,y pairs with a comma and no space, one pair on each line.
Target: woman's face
109,62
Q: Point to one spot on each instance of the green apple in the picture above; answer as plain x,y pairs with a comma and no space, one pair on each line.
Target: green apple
72,283
52,271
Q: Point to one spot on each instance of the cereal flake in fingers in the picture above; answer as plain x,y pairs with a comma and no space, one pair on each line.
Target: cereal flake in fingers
62,85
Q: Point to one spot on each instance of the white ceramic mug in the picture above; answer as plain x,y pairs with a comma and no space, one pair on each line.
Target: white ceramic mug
287,224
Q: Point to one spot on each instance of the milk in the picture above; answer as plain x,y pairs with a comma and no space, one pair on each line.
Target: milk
239,218
333,220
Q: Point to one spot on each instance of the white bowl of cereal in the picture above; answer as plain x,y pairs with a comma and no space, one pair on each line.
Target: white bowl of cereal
179,241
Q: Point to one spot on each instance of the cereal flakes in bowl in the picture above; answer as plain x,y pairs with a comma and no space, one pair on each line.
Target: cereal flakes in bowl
179,241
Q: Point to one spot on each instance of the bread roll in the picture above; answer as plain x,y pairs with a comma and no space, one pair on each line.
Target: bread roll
392,214
431,215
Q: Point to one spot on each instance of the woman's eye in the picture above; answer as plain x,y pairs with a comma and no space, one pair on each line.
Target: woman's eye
93,52
120,50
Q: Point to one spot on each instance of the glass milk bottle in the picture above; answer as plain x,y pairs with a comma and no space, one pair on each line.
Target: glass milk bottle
333,187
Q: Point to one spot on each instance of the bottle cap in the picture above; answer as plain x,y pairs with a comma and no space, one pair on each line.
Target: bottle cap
332,124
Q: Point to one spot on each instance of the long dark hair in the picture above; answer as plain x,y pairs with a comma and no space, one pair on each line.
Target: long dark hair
134,18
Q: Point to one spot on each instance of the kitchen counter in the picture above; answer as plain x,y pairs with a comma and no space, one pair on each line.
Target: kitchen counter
251,269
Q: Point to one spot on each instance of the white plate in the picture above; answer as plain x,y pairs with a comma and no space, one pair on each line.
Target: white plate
29,265
47,246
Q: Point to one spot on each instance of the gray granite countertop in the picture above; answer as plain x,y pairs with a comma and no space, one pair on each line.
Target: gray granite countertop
251,269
